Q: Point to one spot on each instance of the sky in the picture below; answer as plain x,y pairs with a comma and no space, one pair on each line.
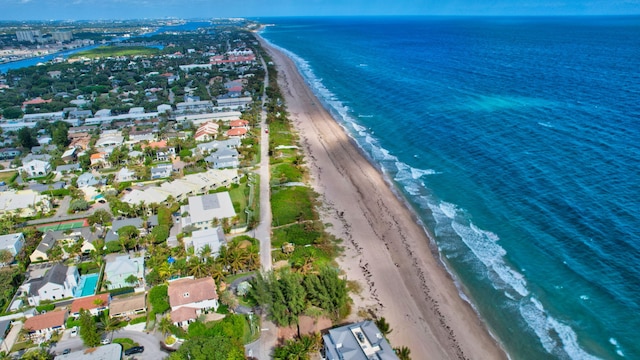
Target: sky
187,9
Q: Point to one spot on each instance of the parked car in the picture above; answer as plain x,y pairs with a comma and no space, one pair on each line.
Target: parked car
74,331
105,341
134,350
66,351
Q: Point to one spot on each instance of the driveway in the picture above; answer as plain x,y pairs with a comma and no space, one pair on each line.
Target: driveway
262,348
151,343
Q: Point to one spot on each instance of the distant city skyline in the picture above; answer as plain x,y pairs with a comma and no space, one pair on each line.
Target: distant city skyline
141,9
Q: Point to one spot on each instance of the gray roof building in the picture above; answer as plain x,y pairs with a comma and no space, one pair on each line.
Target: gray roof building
57,275
359,341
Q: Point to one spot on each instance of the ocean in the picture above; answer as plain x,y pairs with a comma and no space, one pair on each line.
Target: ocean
517,142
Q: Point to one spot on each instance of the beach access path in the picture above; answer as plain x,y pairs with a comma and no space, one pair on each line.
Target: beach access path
386,250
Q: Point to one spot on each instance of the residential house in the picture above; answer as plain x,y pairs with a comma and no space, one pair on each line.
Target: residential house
207,132
237,133
182,188
129,306
191,297
110,138
239,124
359,341
94,304
213,238
119,269
41,253
125,174
161,171
208,147
59,282
64,169
9,153
98,159
36,168
223,158
140,224
203,209
47,323
70,154
87,179
12,243
23,203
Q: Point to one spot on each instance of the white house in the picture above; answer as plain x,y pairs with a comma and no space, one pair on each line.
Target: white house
59,282
161,171
213,238
118,270
190,297
46,323
223,158
203,209
36,168
12,242
125,174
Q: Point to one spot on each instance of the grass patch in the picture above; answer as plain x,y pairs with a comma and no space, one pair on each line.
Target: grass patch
280,134
8,176
298,234
126,343
107,51
292,204
239,199
284,173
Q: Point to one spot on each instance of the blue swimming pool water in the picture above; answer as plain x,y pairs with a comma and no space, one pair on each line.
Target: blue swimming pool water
87,285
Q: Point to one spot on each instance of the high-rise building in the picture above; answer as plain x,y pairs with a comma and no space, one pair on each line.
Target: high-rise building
28,35
62,36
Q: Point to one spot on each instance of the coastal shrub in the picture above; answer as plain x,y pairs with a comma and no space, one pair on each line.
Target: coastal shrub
88,268
138,320
291,204
297,234
284,173
120,291
45,307
159,299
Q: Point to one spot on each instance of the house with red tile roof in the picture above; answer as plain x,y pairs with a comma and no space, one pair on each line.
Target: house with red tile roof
237,133
94,304
191,297
46,323
207,132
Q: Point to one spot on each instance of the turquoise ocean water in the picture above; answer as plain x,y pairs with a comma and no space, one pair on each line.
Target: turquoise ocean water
517,141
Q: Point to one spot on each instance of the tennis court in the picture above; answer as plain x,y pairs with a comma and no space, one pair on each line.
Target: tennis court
64,225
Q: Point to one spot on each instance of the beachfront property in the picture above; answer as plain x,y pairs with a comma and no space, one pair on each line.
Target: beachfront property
201,210
128,306
94,304
213,238
59,282
191,297
120,268
359,341
198,119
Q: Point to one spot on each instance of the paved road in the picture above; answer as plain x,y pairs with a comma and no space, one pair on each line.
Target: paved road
263,231
262,349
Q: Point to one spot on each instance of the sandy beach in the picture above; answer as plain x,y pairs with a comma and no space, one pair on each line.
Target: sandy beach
386,251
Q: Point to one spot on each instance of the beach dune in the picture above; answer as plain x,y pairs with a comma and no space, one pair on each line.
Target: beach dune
386,250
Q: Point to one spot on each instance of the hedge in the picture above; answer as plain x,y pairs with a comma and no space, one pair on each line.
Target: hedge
121,291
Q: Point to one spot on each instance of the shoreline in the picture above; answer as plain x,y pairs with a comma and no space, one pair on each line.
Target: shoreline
387,248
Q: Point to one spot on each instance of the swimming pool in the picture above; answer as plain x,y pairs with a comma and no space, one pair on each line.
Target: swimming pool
87,285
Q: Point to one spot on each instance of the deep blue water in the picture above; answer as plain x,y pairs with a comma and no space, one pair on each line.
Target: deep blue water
517,140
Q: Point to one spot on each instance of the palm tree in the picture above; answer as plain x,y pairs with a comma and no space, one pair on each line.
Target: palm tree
108,324
216,272
404,353
383,326
196,268
165,325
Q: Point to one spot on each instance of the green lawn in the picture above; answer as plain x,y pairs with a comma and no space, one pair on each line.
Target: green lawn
291,204
7,176
298,234
111,51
